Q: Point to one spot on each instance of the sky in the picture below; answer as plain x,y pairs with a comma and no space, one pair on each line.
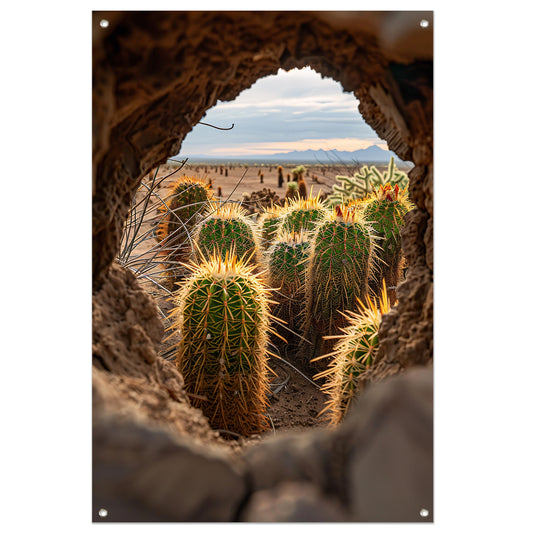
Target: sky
294,110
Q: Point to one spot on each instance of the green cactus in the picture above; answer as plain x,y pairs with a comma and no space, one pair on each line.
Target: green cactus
354,352
364,182
223,319
341,262
269,222
386,211
303,214
292,190
227,227
180,211
298,172
286,264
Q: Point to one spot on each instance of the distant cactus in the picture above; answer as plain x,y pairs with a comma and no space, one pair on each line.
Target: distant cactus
286,264
298,172
341,261
303,214
364,182
353,353
225,228
302,188
280,177
292,190
223,319
386,210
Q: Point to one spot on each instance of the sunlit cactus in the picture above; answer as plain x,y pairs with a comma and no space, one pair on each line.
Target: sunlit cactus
364,182
354,352
286,264
226,228
179,213
386,210
304,214
223,320
341,262
269,221
292,190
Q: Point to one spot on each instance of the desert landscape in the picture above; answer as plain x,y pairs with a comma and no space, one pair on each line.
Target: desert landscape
295,400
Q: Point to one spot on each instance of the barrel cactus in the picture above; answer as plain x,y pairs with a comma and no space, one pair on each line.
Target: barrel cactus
227,228
223,319
354,352
179,212
341,262
286,264
187,199
303,214
269,221
386,210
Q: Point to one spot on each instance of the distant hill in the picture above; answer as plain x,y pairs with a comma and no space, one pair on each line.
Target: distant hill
372,154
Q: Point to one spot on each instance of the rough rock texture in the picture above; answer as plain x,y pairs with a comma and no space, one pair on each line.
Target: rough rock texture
144,474
154,76
157,73
377,466
127,374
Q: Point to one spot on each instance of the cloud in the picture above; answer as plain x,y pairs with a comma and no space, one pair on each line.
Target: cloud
292,110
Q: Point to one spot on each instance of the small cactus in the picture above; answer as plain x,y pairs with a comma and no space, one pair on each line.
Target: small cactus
303,214
269,222
223,319
286,264
386,210
354,352
292,190
341,261
227,227
180,212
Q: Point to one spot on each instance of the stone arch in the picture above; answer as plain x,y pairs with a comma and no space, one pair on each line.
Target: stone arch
155,74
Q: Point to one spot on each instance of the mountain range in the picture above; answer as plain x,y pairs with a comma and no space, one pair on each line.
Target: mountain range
372,154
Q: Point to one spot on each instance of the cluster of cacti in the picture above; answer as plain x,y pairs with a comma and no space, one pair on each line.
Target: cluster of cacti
364,182
353,353
303,214
341,261
223,319
286,265
319,264
386,210
269,221
298,172
227,228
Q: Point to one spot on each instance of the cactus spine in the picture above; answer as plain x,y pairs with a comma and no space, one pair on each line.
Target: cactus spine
386,211
354,352
227,228
303,214
269,222
286,262
363,183
341,261
180,211
223,316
